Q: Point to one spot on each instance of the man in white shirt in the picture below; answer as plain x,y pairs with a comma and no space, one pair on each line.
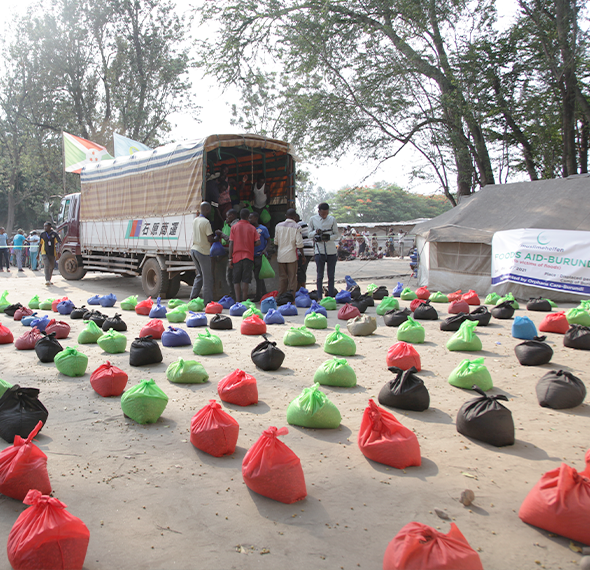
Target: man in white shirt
33,240
200,252
324,230
288,240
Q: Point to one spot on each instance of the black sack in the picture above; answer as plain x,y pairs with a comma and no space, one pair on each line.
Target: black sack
504,310
367,299
533,352
79,312
578,337
406,391
267,355
380,292
95,316
221,322
539,304
355,292
313,295
47,347
425,312
11,309
559,390
454,322
395,317
481,315
116,323
360,304
20,412
286,297
486,419
144,350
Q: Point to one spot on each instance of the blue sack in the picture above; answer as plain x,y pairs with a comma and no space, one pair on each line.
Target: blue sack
316,308
197,319
288,310
237,310
226,302
108,300
217,250
175,337
26,321
523,328
303,301
274,317
343,297
397,290
267,304
94,300
65,307
41,322
302,291
158,311
350,283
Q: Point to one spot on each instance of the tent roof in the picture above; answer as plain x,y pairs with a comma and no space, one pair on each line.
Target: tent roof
562,204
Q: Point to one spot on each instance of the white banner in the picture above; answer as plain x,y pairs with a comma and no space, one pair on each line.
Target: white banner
551,259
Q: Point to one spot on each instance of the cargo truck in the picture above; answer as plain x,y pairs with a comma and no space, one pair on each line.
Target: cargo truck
134,215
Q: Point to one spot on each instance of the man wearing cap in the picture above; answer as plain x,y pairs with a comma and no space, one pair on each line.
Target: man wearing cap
324,230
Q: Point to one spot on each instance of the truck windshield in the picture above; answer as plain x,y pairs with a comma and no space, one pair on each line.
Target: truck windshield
64,212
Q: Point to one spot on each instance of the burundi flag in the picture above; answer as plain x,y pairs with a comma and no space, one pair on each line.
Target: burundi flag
127,147
79,152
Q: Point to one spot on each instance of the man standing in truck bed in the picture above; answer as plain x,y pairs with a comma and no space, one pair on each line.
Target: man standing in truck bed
243,238
202,240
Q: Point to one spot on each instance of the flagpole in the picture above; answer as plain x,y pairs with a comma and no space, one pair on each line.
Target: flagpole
63,156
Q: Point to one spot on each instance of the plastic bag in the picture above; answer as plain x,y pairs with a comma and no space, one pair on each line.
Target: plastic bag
533,352
155,329
116,323
113,342
251,312
313,409
207,343
56,302
41,322
335,372
470,373
144,403
253,325
362,326
411,331
343,297
298,336
350,282
90,334
329,303
272,469
538,304
454,296
503,310
555,323
226,301
465,338
158,311
176,316
492,298
273,317
221,323
439,297
175,337
403,356
406,391
217,250
237,310
186,372
4,385
423,293
578,337
96,316
303,301
457,307
20,412
26,321
47,536
425,312
284,298
173,303
238,388
60,328
108,380
266,270
33,303
578,316
288,310
65,307
481,315
108,300
348,311
78,313
129,303
523,328
268,304
508,298
379,293
560,390
267,355
214,431
471,298
94,300
144,307
382,438
47,304
395,317
71,362
22,312
397,290
213,308
407,294
270,294
416,303
27,340
47,347
144,350
197,305
339,344
388,304
317,308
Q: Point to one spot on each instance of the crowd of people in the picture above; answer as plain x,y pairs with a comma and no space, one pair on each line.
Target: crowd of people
363,245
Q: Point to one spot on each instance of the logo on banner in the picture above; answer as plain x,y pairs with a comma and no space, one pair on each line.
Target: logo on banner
144,229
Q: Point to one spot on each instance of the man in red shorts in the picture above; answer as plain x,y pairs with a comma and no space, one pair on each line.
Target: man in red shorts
243,238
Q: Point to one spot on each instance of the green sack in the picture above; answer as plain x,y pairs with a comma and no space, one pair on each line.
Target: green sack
554,304
465,338
90,334
196,305
389,303
173,303
339,343
46,305
71,362
585,304
129,304
176,316
4,386
252,311
144,403
34,302
312,409
411,331
509,297
265,217
225,230
471,372
438,297
4,302
329,303
266,270
577,316
298,336
371,288
182,307
113,342
187,372
492,299
408,295
207,343
335,372
315,321
249,303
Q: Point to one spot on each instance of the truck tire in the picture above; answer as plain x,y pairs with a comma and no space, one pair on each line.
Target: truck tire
154,280
173,287
70,268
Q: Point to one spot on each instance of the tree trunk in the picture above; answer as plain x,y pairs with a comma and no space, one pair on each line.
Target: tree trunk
584,132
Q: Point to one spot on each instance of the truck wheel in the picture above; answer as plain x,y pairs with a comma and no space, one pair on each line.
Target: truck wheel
154,280
70,268
173,287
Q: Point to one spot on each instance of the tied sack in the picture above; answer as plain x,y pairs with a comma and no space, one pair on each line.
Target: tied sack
197,319
22,312
158,311
6,336
411,331
509,298
266,270
23,467
47,536
108,300
471,298
78,313
94,300
220,322
144,403
481,315
403,356
288,310
419,546
560,502
298,336
4,385
129,303
253,325
251,312
408,295
343,297
144,307
471,373
71,362
492,299
4,300
40,323
47,347
197,305
113,342
560,390
267,355
33,303
425,312
453,324
360,304
303,301
439,297
578,316
555,323
238,388
213,308
28,340
116,323
348,311
186,372
108,380
173,303
362,326
26,321
20,412
12,309
455,296
423,293
284,298
176,316
533,352
317,308
406,391
416,303
382,438
397,290
95,316
395,317
143,351
578,337
175,337
335,372
329,303
226,301
60,328
267,304
465,338
214,431
339,344
388,304
65,307
272,469
458,306
486,419
355,292
155,329
523,328
312,409
378,293
90,334
350,282
315,321
538,304
207,343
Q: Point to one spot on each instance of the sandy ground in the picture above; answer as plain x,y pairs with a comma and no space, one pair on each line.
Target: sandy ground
153,501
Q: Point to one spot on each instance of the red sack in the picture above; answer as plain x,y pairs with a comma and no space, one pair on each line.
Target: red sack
214,431
555,323
457,307
414,304
22,312
471,298
420,547
385,440
155,327
253,325
423,293
213,308
6,336
28,340
144,307
348,311
238,388
108,380
55,303
23,466
403,355
560,502
454,296
272,469
47,537
60,328
271,294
